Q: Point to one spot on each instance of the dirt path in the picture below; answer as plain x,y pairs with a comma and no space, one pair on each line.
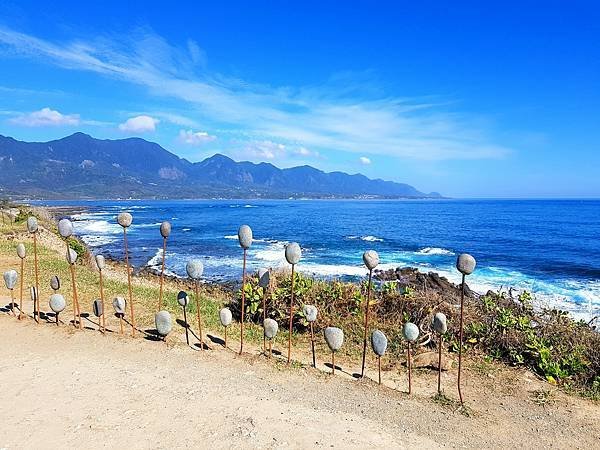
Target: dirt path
63,388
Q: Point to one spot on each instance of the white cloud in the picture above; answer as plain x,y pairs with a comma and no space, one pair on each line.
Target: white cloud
45,117
195,138
335,115
139,124
264,150
364,160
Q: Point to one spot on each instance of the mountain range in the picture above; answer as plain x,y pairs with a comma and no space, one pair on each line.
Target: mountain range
80,166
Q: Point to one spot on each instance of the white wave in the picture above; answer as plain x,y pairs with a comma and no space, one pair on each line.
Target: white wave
231,236
250,206
186,229
434,251
371,239
96,227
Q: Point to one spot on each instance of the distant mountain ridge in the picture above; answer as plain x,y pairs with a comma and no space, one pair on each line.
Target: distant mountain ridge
80,166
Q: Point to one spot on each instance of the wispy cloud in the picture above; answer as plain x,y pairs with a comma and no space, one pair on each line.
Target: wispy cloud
139,124
190,137
364,160
338,116
45,117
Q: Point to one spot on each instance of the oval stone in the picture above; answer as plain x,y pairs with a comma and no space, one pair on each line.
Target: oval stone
271,327
182,298
410,331
439,323
465,264
65,228
163,323
293,253
245,236
100,262
57,303
119,305
21,251
10,279
225,316
371,259
194,269
334,337
310,312
97,308
71,256
379,342
264,277
55,283
165,229
32,224
125,219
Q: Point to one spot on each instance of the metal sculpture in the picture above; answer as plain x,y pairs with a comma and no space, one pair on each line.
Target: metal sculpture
379,344
120,305
195,269
21,253
465,264
32,227
440,326
33,293
264,279
226,317
125,219
334,337
55,283
100,264
411,334
183,300
371,260
163,323
10,279
310,314
165,231
270,327
57,304
293,253
98,309
72,259
245,240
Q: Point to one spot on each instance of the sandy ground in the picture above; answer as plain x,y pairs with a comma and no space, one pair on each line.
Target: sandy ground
63,388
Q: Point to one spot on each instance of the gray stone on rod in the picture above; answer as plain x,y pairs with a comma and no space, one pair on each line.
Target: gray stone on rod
334,337
465,264
439,323
225,316
55,283
10,279
410,331
293,253
183,299
21,251
57,303
163,323
194,269
264,277
371,259
379,342
65,228
271,327
245,236
100,262
125,219
310,312
71,256
165,229
32,224
119,305
97,308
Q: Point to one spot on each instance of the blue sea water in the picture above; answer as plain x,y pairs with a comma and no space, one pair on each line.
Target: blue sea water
548,247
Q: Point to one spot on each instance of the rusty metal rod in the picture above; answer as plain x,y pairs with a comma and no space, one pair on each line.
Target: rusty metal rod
291,318
187,338
440,364
12,302
162,273
56,319
21,291
332,363
312,344
243,304
36,306
460,336
264,318
129,283
409,369
270,348
225,337
362,370
379,367
198,313
121,322
103,328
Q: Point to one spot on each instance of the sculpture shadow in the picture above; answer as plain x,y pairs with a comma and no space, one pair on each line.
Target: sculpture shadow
151,334
337,368
204,346
216,340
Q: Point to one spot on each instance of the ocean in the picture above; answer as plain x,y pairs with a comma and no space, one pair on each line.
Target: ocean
548,247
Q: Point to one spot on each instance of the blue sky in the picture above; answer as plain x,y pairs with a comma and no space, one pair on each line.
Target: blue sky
471,100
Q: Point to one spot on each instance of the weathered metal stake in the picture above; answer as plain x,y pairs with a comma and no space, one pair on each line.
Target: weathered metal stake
243,304
408,363
291,317
187,337
129,282
379,367
364,355
332,363
460,335
103,328
440,344
197,291
21,291
162,273
36,305
264,317
76,310
312,345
